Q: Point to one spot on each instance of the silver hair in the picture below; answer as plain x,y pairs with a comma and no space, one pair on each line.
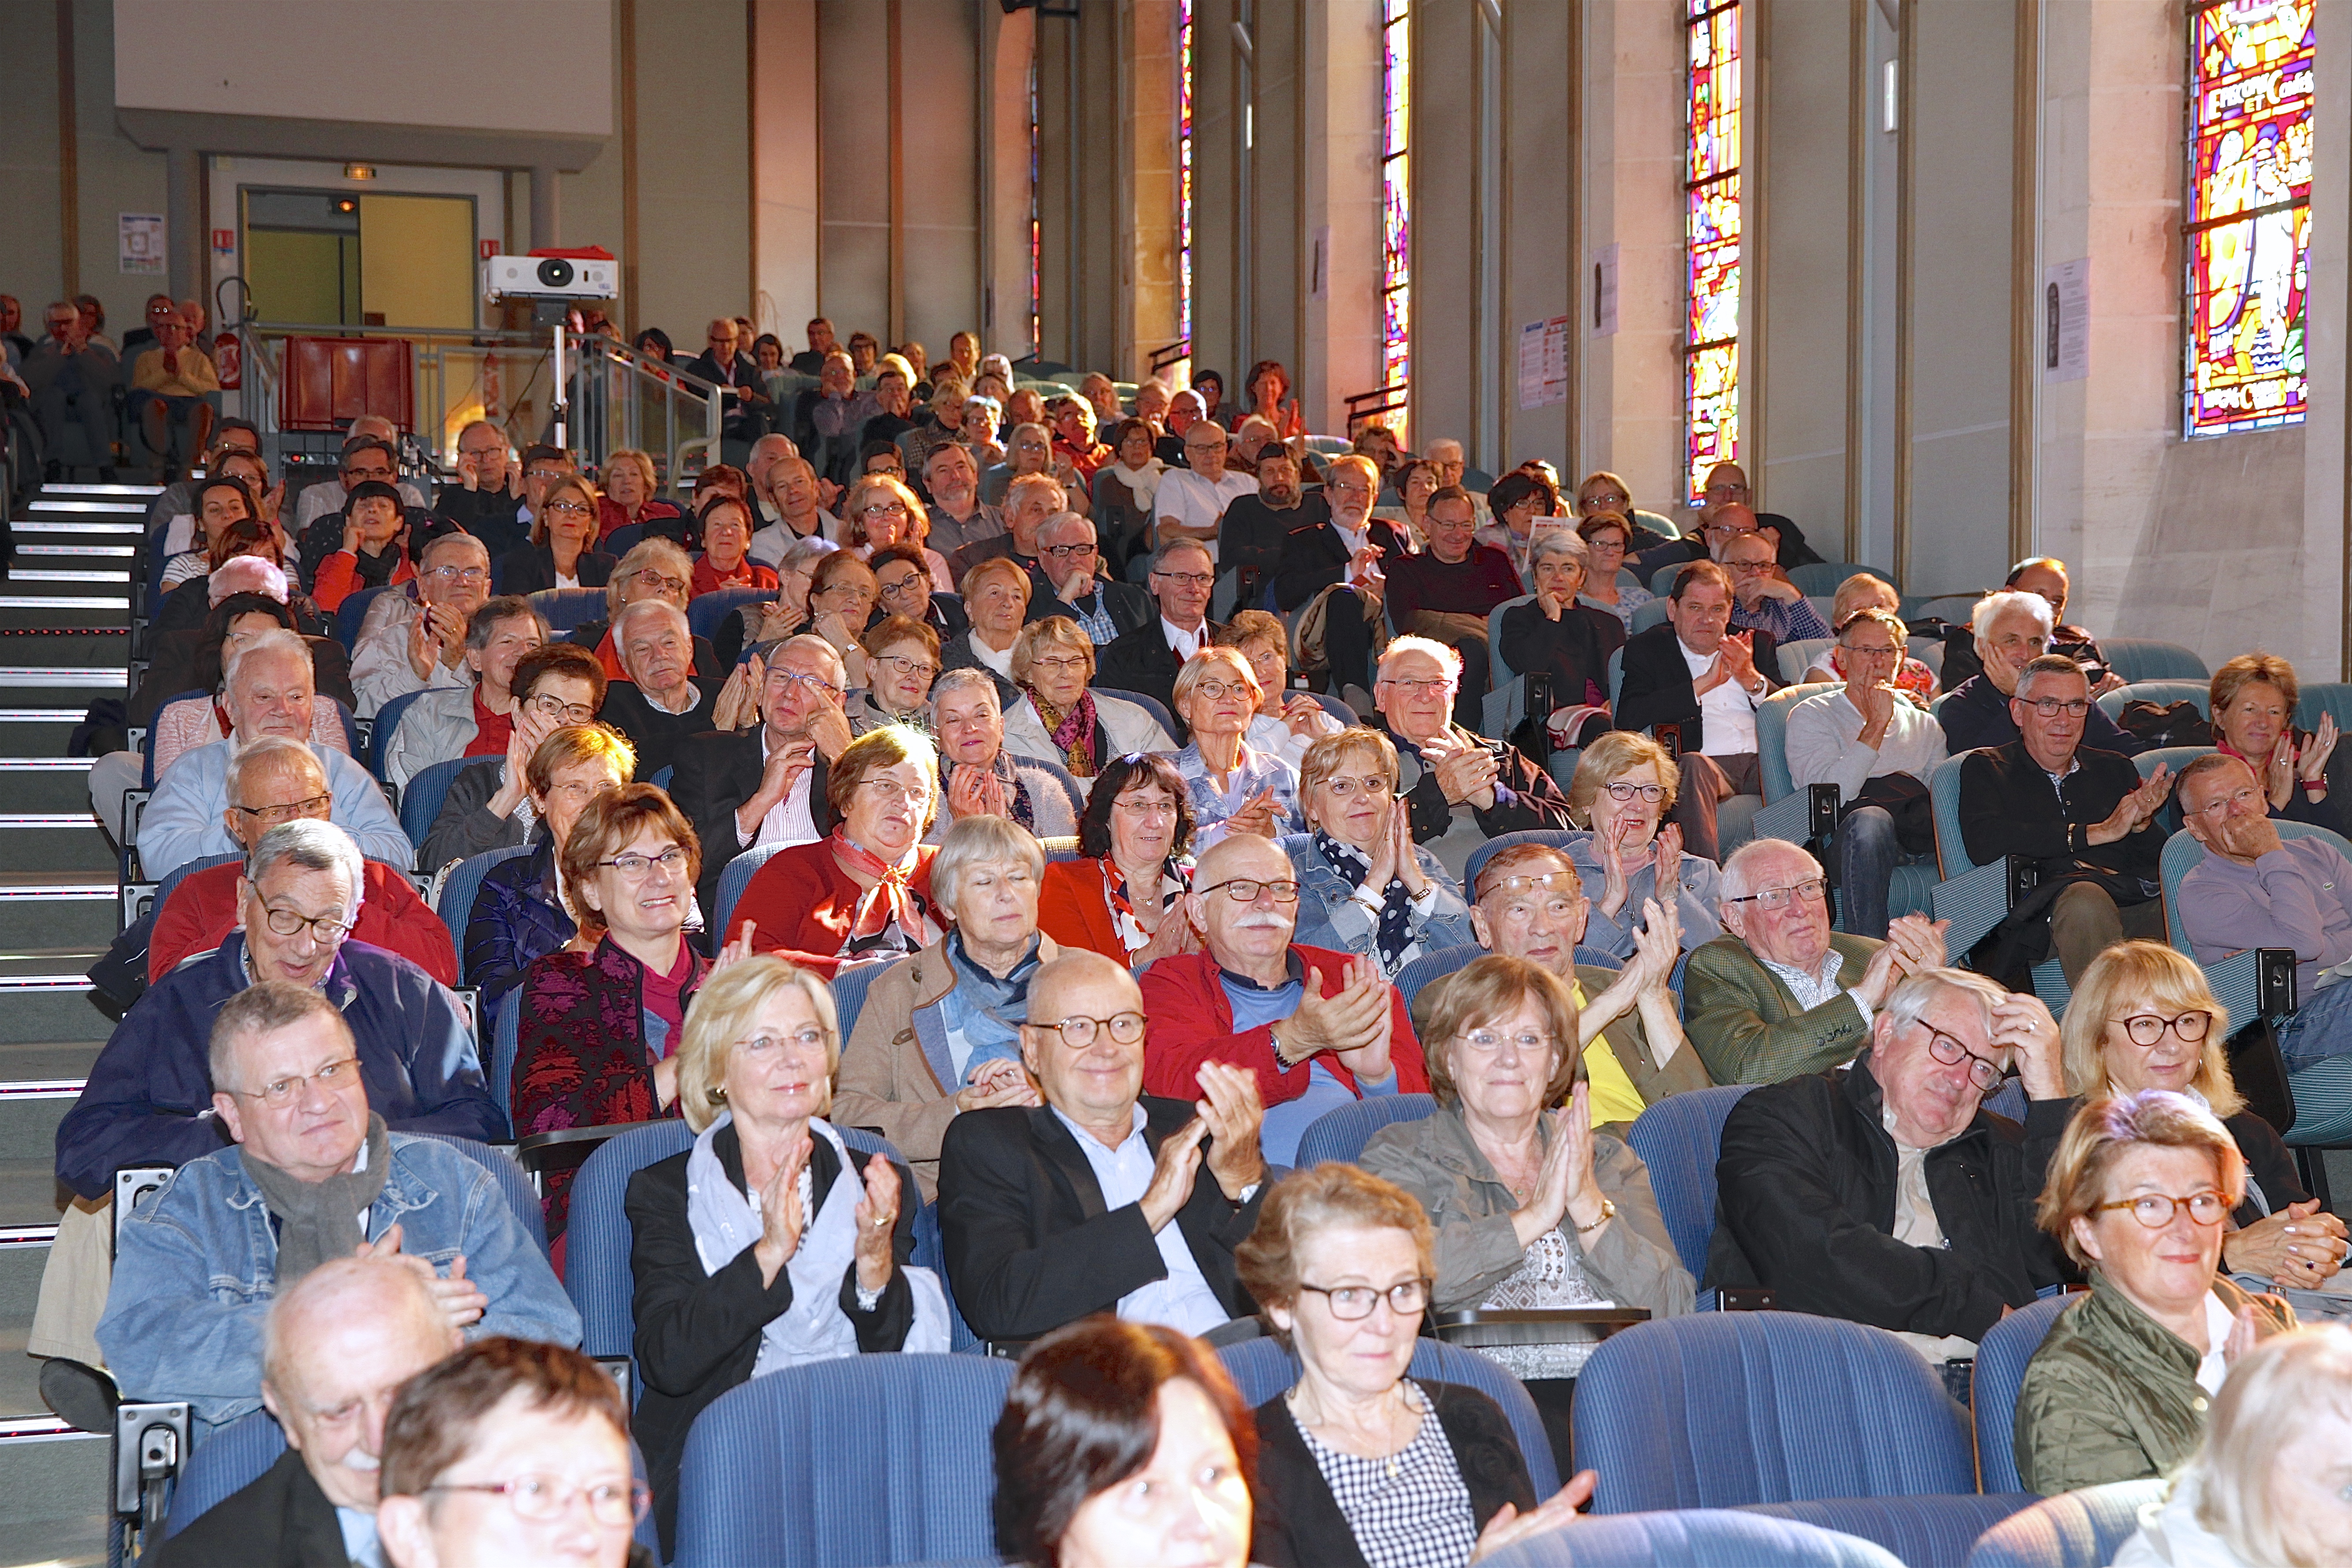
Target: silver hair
467,539
1551,542
313,847
955,681
270,750
976,841
280,640
1161,556
1446,658
1034,481
802,554
1915,992
1993,606
1058,520
620,621
383,1291
2046,664
1739,870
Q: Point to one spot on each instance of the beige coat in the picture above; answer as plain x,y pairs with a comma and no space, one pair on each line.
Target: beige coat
1633,1263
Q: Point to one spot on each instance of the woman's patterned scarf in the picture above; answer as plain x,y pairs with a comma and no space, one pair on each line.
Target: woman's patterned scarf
1073,732
1395,932
891,898
1175,877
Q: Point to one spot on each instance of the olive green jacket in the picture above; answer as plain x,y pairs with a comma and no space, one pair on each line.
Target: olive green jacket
1744,1021
1631,1262
2112,1394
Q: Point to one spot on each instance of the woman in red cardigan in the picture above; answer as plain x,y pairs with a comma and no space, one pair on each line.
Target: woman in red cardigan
1123,898
864,894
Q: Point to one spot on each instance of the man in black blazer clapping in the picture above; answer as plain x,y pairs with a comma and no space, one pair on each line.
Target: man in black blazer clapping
1102,1199
1147,658
1696,673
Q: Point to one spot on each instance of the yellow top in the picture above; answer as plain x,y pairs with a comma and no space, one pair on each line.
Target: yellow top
1614,1098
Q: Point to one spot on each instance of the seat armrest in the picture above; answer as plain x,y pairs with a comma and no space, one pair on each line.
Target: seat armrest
1975,901
532,1154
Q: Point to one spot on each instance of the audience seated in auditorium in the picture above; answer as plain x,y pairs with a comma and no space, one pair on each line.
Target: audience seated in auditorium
460,1434
1862,592
1059,718
1446,592
1780,993
1342,552
70,375
1286,722
1123,896
247,533
1603,493
880,512
473,720
1029,501
2011,630
1762,597
298,900
656,569
1727,487
1233,788
940,1032
979,775
996,595
373,551
336,1347
664,698
1333,1247
597,1029
1074,580
842,594
1364,886
204,508
177,728
769,1244
1625,789
1146,659
487,497
959,518
322,512
862,894
1531,905
1123,489
1878,748
768,785
316,1175
790,500
1885,1194
2115,1035
1559,636
902,659
415,635
1028,449
1102,1199
1316,1029
562,550
1465,789
489,806
1695,673
2303,773
2093,838
2045,577
268,692
523,907
1190,501
2138,1192
630,497
277,781
1513,503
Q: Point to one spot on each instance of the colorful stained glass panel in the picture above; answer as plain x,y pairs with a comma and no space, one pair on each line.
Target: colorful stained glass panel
1396,204
1184,39
1712,186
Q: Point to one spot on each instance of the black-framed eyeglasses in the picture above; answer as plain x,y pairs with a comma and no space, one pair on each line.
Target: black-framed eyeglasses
325,929
913,668
2051,707
2147,1028
1354,1303
1190,579
1064,551
1078,1031
2155,1210
568,508
543,1500
1809,890
274,815
633,865
1983,1072
1624,793
1247,890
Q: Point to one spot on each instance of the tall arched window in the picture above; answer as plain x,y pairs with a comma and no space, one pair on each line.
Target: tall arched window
1711,189
1184,41
2246,237
1396,209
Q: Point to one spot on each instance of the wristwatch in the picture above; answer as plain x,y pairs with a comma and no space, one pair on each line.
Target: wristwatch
1608,1213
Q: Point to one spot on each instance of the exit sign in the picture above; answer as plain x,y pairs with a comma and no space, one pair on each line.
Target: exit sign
224,239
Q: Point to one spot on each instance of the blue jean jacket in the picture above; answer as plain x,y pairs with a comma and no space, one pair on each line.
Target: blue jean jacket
196,1268
1323,894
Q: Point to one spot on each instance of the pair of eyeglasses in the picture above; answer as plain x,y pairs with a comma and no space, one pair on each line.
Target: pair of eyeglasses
360,475
1550,881
1417,688
567,508
1213,689
2155,1210
2051,707
633,865
2147,1028
1064,551
1809,890
1983,1072
660,580
884,509
1649,794
2247,797
1065,662
325,929
908,586
1860,651
762,1046
1078,1031
1348,789
1609,500
892,790
307,807
1247,890
812,683
334,1075
1528,1042
546,473
1354,1303
913,668
543,1500
460,574
562,712
1137,806
1190,579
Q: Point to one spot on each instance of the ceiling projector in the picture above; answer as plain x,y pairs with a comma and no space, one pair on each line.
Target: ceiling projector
550,278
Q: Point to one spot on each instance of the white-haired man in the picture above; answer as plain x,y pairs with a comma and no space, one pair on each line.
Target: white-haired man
662,702
1461,788
1780,995
767,785
414,637
1070,581
2012,628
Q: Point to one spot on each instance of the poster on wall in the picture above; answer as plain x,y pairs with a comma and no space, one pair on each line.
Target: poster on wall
1543,362
2066,322
1604,292
142,242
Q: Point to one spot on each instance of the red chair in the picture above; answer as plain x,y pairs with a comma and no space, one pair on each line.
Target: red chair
329,381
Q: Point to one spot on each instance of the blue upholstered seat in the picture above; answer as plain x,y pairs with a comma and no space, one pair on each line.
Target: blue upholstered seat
1693,1538
1341,1134
2076,1530
1678,1139
2001,1356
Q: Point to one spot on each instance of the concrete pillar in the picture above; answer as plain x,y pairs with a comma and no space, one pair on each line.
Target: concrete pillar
183,223
1547,269
546,231
784,141
1339,208
1449,347
1009,49
1149,314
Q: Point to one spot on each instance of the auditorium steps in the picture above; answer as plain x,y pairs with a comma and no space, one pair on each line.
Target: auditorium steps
65,623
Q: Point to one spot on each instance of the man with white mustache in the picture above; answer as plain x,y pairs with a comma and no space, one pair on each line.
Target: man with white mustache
1244,1000
338,1348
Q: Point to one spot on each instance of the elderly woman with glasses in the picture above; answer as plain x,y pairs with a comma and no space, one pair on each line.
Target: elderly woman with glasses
1123,896
1606,541
1287,721
1233,789
562,551
598,1021
880,511
2142,1018
786,615
842,592
770,1243
1059,719
724,523
1622,789
2139,1193
656,569
904,585
1534,1208
981,777
524,910
1603,493
1364,887
902,659
1559,636
863,893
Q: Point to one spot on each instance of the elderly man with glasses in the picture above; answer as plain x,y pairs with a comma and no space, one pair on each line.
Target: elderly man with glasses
1885,1193
1148,659
1779,995
1462,788
662,702
1069,580
414,636
2084,817
1191,502
485,499
1102,1199
1762,597
1878,749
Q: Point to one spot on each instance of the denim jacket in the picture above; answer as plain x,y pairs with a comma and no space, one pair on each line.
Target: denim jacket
197,1266
1328,917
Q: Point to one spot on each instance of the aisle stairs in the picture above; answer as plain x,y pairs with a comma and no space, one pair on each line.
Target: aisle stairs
65,620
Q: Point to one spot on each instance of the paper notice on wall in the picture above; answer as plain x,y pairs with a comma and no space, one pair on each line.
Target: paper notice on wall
1604,292
2066,322
142,242
1543,362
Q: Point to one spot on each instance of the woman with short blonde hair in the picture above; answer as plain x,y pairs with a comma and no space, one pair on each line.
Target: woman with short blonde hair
631,493
996,593
1623,787
2252,702
1234,788
1060,718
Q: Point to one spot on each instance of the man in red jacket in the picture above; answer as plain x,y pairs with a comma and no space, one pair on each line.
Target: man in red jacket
1321,1029
274,781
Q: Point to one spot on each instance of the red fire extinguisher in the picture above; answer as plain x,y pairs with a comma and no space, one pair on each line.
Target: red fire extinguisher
228,361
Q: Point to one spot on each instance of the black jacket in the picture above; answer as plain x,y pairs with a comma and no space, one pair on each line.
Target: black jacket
1656,687
1300,1523
1573,650
1805,1204
717,773
2008,808
1314,557
1254,534
280,1520
1525,796
1976,715
657,735
1648,553
494,517
1142,661
1128,606
1030,1245
532,569
699,1334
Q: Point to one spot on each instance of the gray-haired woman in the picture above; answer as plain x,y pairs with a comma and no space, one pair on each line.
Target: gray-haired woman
1556,634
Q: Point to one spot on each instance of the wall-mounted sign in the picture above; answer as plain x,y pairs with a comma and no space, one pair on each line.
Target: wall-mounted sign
141,239
2066,322
1543,362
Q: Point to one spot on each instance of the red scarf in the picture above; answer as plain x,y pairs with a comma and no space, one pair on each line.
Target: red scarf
891,898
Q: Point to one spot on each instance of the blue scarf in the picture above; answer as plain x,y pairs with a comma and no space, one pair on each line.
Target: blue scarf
1394,934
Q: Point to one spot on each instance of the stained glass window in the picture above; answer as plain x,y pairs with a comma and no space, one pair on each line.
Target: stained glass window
1036,229
1711,187
2246,240
1396,208
1185,29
